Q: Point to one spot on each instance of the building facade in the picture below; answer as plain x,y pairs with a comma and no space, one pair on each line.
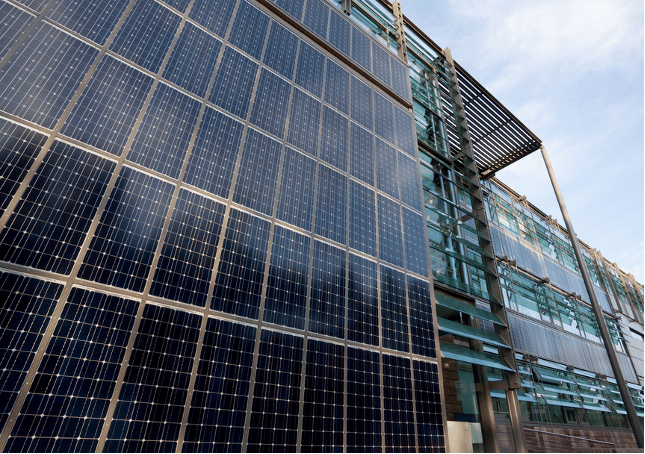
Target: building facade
254,225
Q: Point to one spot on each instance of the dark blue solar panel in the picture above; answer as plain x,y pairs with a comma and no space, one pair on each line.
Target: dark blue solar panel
234,83
398,409
421,325
249,29
193,60
69,397
409,181
415,242
304,122
215,15
363,401
394,317
405,133
389,231
362,218
386,174
322,420
317,17
125,240
381,63
151,403
238,286
108,107
281,51
331,206
310,71
27,305
337,87
27,87
327,305
296,201
188,254
258,173
276,395
15,22
213,157
36,5
428,405
19,147
383,117
339,32
179,5
292,7
400,78
287,285
218,407
146,34
333,140
361,48
362,301
362,103
49,224
362,154
92,20
271,102
165,131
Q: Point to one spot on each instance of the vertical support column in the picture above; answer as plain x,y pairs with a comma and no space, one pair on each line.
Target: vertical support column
604,332
497,306
399,29
346,6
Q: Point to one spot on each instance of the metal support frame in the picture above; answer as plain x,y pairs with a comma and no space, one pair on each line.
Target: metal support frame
399,29
604,332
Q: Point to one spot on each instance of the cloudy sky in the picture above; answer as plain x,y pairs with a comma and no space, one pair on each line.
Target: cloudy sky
572,72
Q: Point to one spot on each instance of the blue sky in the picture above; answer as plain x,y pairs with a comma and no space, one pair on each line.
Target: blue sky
572,72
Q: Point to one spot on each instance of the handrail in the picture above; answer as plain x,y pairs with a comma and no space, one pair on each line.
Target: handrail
570,436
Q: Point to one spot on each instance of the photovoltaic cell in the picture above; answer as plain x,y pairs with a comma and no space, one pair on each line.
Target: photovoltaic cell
291,7
398,408
69,397
400,78
296,201
151,403
15,22
215,15
415,243
213,157
146,34
363,401
218,407
287,285
193,60
337,87
258,173
108,107
389,231
361,49
381,63
310,70
179,5
234,82
383,118
271,102
49,224
276,395
27,87
281,51
362,154
421,325
362,103
304,122
92,20
394,317
409,180
362,301
322,421
386,175
405,133
339,32
331,207
188,255
238,286
19,147
249,29
27,305
317,17
125,240
362,218
36,5
333,140
428,405
165,131
327,305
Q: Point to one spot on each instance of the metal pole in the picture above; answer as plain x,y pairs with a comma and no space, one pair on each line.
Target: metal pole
609,345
